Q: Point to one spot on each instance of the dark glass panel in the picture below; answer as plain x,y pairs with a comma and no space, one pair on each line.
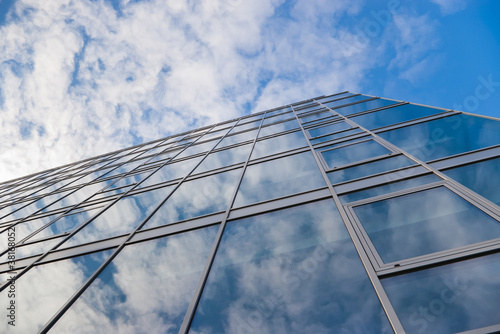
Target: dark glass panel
389,188
394,115
278,178
196,198
370,168
121,218
445,136
289,271
483,177
44,289
449,299
330,128
145,289
422,223
353,153
279,144
364,106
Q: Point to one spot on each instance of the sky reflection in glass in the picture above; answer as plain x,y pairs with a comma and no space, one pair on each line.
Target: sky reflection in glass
121,299
448,299
422,223
289,271
353,153
278,178
279,144
364,106
224,158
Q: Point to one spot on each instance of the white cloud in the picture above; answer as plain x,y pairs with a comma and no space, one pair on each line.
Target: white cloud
88,79
450,6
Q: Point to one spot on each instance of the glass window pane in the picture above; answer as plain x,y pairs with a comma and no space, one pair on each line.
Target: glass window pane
483,177
196,198
121,218
46,288
364,106
421,223
289,271
389,188
238,138
394,115
336,136
279,144
336,103
277,128
445,136
449,299
370,168
330,128
278,118
334,96
278,178
122,300
170,172
353,153
197,148
224,158
315,116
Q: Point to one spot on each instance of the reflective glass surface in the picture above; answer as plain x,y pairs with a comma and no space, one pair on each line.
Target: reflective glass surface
198,148
171,171
336,103
449,299
198,197
279,177
332,97
394,115
483,177
422,223
277,128
289,271
353,153
238,138
224,158
371,168
45,288
122,300
445,136
330,128
278,118
336,136
364,106
279,144
389,188
315,116
121,218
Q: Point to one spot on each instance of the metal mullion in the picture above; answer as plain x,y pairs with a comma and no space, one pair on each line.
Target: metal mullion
186,323
372,275
91,279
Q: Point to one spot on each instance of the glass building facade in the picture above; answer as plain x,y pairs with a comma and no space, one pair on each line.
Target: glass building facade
339,214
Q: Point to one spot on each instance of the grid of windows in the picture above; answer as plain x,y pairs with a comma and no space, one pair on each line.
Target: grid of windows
343,213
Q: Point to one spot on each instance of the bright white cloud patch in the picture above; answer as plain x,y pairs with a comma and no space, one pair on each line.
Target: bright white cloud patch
81,78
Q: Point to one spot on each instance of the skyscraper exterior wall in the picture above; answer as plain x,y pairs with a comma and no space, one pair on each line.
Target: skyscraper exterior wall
340,214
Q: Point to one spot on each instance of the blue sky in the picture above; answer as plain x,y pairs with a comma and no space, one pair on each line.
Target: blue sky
81,78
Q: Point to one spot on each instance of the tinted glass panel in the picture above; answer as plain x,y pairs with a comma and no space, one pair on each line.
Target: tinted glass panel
279,144
449,299
277,128
289,271
353,153
334,104
422,223
445,136
278,118
364,106
279,177
122,300
335,136
315,116
198,197
370,168
482,177
394,115
47,287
